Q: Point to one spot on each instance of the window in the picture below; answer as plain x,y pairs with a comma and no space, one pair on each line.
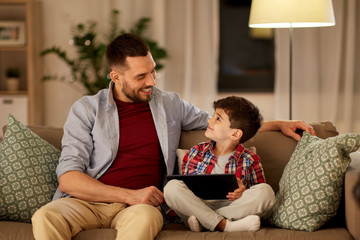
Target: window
246,55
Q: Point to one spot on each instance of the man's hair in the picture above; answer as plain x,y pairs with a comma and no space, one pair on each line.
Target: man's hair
243,115
123,46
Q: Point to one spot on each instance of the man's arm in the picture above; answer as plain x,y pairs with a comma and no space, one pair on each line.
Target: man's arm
288,127
82,186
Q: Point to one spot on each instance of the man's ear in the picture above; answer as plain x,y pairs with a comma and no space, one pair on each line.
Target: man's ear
115,76
237,134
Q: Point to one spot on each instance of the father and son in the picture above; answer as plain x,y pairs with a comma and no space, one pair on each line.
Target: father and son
120,143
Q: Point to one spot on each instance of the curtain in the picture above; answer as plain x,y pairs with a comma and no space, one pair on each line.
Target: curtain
325,78
187,29
192,37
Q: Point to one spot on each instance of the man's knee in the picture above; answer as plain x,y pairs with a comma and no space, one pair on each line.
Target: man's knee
138,221
45,212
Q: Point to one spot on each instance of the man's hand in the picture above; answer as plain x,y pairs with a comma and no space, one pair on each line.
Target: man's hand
149,195
288,128
238,192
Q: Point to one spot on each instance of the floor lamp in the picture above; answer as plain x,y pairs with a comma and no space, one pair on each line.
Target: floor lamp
291,14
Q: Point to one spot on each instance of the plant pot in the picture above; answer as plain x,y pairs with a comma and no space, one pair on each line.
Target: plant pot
12,84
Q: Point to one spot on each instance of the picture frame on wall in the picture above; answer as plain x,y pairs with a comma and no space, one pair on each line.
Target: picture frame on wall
12,33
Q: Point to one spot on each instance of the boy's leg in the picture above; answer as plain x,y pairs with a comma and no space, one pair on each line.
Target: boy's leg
66,217
141,221
185,203
254,201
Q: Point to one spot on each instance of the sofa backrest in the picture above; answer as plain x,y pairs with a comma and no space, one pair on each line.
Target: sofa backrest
273,148
52,135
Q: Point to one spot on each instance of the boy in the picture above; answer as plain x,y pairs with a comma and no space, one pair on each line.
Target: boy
235,121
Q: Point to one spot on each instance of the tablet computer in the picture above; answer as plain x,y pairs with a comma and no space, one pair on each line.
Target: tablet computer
208,186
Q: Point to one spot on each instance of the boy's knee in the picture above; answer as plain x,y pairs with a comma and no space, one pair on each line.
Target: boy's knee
267,191
171,188
267,194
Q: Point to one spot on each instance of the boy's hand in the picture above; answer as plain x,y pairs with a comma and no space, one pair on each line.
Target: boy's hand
238,192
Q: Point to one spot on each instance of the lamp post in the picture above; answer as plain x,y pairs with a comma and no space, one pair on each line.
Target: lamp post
291,14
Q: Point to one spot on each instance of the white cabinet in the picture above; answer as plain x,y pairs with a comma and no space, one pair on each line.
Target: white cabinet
17,105
25,56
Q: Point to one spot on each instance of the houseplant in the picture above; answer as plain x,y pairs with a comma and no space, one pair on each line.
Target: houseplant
90,67
12,78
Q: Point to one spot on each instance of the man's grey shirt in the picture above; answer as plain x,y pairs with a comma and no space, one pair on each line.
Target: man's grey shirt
91,131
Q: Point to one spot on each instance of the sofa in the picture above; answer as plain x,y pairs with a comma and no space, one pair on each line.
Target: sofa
275,150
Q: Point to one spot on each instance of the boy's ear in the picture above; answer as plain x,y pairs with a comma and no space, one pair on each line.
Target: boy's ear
237,134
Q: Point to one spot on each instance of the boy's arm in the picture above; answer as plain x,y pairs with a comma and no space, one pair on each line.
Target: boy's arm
192,157
252,171
238,192
184,164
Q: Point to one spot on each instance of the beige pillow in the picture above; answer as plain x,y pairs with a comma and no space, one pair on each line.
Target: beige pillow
180,153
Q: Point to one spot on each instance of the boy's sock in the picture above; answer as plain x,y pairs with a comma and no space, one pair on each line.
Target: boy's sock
249,223
194,224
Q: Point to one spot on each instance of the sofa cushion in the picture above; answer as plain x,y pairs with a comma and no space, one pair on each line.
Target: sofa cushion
27,172
311,186
267,144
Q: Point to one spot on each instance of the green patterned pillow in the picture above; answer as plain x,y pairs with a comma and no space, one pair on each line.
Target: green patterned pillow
311,186
27,172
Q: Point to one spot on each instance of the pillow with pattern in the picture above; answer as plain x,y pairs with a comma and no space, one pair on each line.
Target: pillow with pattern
27,172
311,186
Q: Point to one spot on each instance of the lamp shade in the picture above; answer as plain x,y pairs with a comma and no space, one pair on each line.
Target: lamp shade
291,13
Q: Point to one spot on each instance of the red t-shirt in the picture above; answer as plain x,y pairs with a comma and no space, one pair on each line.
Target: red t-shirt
139,162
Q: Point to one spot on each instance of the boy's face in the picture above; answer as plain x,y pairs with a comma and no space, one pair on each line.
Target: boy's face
218,128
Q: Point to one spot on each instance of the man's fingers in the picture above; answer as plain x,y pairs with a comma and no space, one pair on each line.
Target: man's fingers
156,197
306,127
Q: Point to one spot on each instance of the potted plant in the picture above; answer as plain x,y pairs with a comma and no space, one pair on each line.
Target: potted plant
12,78
89,67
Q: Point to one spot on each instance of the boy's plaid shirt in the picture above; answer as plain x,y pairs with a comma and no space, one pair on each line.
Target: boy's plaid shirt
244,163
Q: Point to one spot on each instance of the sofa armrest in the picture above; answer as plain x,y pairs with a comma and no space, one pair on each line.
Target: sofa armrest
352,205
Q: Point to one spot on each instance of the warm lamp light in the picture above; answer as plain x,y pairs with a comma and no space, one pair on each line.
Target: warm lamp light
291,14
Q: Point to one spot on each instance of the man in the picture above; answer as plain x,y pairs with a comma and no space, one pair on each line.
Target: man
117,147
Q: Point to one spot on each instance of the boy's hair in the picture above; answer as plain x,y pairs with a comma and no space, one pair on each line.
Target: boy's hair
123,46
243,115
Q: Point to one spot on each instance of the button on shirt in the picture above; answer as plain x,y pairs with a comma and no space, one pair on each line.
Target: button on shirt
244,163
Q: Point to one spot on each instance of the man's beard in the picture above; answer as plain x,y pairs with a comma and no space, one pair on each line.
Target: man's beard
135,95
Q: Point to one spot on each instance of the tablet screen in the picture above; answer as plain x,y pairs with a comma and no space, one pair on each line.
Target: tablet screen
209,186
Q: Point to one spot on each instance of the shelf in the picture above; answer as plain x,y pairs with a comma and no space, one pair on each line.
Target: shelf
27,101
14,93
10,2
13,48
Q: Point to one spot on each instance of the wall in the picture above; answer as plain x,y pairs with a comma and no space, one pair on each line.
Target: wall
59,16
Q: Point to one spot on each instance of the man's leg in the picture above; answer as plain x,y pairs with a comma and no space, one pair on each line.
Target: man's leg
254,201
138,222
66,217
185,203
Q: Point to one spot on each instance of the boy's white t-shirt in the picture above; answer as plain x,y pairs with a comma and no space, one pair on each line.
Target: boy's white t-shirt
222,160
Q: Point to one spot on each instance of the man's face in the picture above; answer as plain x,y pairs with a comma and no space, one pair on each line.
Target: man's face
135,82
